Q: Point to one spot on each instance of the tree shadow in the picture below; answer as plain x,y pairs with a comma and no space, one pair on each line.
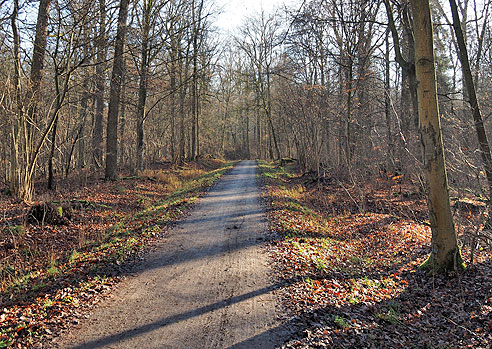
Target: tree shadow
153,260
433,311
274,335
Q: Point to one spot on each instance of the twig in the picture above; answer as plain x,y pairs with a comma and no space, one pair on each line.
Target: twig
464,328
355,202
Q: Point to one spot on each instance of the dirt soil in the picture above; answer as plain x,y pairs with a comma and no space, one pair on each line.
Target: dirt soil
206,285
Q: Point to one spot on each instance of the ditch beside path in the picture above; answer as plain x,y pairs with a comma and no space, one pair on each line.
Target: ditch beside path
206,285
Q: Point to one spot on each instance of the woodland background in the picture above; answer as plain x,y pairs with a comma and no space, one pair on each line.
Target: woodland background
319,83
151,93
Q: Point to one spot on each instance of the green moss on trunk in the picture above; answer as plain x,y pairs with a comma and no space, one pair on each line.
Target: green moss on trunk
453,261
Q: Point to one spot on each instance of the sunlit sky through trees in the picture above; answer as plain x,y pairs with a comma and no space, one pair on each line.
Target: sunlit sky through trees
234,12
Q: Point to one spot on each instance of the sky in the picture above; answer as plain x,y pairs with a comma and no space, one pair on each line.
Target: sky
234,11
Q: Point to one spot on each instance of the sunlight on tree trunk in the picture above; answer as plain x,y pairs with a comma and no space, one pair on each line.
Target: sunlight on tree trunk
114,102
445,254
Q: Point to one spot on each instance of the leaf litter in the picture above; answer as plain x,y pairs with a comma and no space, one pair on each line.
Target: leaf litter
357,281
52,274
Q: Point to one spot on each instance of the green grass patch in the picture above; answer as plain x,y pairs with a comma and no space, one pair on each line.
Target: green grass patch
341,322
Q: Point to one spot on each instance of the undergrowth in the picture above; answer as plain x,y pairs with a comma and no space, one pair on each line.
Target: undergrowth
354,278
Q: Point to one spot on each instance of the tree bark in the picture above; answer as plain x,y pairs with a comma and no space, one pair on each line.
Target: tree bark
39,50
25,157
111,172
445,254
15,170
142,88
387,106
122,161
97,135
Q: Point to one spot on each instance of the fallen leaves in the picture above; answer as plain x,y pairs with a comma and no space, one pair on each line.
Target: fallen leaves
60,271
355,277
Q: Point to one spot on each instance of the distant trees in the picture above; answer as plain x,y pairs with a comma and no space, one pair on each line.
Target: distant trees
343,91
471,94
259,41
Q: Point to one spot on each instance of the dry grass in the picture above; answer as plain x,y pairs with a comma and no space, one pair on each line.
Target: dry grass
173,179
191,174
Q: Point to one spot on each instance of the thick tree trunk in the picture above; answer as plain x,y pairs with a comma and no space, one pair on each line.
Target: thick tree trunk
38,54
445,254
111,171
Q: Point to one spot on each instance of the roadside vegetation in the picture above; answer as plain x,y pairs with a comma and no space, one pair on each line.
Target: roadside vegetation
354,253
52,270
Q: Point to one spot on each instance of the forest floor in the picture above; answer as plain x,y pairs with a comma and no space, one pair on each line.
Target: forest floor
52,273
345,258
350,259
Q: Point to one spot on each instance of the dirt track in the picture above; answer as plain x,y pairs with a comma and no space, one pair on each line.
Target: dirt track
205,286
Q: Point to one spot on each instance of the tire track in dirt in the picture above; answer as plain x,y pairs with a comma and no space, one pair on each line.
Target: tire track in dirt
205,286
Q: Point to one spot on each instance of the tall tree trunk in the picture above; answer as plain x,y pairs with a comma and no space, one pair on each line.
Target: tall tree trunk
172,108
472,96
348,118
182,138
387,106
197,19
97,135
142,88
25,158
445,254
258,130
409,105
267,105
248,150
15,164
121,153
38,54
80,136
111,171
84,101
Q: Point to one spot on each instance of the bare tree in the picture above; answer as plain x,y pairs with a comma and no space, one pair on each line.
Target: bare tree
111,171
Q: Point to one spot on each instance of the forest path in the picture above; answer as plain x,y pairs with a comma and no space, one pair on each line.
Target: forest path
205,286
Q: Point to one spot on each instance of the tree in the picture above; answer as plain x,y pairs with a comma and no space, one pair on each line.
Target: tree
111,171
24,153
259,43
97,134
473,100
445,253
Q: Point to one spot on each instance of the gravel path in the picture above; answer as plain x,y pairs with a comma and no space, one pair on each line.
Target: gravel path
205,286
